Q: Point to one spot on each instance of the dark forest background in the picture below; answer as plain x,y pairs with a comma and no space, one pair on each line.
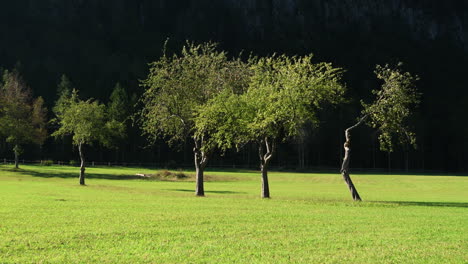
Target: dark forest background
99,43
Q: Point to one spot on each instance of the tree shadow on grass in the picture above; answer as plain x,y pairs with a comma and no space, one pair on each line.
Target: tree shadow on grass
219,192
64,175
430,204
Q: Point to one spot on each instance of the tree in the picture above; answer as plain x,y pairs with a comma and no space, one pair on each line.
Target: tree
86,121
388,113
64,90
119,104
23,118
177,87
118,109
283,95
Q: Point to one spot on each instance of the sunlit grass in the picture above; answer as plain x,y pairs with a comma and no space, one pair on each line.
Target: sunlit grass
117,218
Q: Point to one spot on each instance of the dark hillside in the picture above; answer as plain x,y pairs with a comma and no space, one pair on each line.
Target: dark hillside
98,43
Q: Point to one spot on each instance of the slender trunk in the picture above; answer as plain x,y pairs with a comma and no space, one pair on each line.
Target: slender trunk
264,160
16,160
199,188
346,161
82,166
17,150
201,160
345,173
265,185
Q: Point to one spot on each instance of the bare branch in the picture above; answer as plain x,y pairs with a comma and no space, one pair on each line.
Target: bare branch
348,130
269,152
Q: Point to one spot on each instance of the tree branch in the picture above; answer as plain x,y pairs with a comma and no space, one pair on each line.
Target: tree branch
269,152
260,151
180,118
347,135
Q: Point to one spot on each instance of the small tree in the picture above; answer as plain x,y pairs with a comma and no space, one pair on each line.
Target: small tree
23,118
64,91
119,104
388,114
177,88
118,109
283,94
86,121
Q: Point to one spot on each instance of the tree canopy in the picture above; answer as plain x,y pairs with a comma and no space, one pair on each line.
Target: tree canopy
87,122
283,94
178,87
389,113
22,118
392,107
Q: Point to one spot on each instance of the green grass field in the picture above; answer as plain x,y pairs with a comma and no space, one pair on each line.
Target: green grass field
46,217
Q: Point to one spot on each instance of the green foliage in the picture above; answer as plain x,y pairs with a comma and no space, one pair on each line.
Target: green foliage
287,92
224,120
283,94
65,86
18,150
179,86
391,109
86,121
118,113
119,104
64,91
38,120
22,117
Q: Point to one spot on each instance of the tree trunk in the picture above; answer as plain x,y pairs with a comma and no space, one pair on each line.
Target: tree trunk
345,173
201,159
265,185
17,150
82,166
264,160
346,161
16,159
199,189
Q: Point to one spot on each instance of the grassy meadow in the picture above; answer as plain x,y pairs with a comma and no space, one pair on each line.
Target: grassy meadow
47,217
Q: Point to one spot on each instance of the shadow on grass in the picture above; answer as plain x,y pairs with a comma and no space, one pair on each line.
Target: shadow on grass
219,192
64,175
430,204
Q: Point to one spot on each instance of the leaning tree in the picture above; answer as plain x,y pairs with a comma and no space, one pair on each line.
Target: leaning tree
388,113
284,94
22,118
177,87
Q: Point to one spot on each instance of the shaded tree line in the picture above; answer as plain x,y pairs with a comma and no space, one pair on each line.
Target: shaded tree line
99,43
